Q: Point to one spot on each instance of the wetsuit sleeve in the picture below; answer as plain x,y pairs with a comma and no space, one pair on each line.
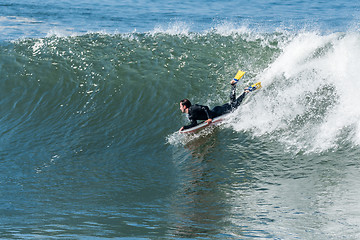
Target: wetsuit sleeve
207,111
193,123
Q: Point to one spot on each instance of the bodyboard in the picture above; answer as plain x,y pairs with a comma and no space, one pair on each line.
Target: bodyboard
202,125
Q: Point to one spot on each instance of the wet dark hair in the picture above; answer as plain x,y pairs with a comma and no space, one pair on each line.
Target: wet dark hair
185,102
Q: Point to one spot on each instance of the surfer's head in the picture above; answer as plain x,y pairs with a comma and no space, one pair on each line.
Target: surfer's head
184,105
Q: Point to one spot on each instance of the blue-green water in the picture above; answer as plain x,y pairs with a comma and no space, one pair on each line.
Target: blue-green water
89,115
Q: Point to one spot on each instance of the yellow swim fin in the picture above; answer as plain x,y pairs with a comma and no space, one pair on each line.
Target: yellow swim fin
239,75
256,85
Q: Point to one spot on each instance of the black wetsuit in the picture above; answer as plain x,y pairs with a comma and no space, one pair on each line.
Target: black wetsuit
229,107
199,112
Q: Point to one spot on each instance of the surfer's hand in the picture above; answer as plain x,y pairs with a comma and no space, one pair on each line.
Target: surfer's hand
208,121
182,128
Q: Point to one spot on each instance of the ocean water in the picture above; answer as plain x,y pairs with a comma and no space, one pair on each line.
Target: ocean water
89,113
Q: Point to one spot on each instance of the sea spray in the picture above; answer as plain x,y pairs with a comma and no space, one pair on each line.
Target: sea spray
309,97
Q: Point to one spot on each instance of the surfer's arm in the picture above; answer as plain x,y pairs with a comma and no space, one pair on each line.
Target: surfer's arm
193,123
195,114
208,114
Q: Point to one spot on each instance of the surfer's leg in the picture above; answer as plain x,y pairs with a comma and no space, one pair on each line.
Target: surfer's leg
238,101
233,94
235,102
220,110
228,107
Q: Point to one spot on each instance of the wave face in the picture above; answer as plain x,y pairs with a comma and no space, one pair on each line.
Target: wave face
88,134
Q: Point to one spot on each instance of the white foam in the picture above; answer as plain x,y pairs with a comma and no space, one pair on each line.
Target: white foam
310,98
61,32
343,65
226,28
173,28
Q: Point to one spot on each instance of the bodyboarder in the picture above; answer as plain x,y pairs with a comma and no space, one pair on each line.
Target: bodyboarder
199,112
